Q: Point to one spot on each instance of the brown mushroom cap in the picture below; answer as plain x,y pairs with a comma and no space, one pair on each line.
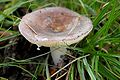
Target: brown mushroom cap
54,26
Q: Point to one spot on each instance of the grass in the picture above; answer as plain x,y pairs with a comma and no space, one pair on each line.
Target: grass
102,44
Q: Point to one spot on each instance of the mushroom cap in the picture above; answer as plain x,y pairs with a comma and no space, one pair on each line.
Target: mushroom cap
54,26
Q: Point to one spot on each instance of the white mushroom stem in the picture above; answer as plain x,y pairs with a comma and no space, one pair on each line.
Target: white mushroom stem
57,53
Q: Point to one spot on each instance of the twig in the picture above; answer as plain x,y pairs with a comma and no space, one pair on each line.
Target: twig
69,64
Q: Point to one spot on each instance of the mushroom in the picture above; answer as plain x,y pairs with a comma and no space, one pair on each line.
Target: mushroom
55,27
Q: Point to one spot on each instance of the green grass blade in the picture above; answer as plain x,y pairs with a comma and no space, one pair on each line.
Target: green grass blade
2,1
106,73
80,68
10,10
108,55
104,30
83,5
101,14
2,78
72,73
87,66
35,73
8,45
9,37
8,65
47,69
